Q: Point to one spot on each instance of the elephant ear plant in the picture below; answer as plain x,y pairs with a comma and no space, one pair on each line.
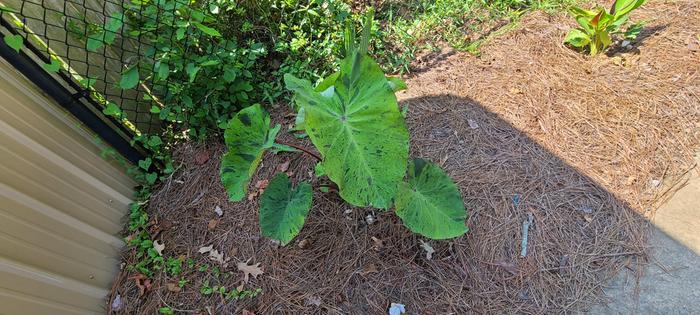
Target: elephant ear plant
597,25
354,121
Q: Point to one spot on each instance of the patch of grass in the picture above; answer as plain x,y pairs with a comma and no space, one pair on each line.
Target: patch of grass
415,26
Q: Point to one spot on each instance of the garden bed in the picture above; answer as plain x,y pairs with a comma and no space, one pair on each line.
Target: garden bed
586,146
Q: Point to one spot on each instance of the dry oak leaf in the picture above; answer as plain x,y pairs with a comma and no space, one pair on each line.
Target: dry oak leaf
249,270
159,247
205,249
202,157
262,184
367,269
429,251
378,244
212,224
215,255
252,195
283,167
173,287
142,282
304,244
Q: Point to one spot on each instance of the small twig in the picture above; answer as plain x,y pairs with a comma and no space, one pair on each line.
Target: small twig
302,149
525,231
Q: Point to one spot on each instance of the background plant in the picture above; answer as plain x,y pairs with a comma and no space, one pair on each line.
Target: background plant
597,26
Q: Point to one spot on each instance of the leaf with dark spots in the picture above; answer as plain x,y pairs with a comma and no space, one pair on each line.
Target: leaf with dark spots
246,137
248,157
245,119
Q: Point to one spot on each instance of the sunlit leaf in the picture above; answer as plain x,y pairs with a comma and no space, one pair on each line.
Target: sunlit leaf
396,84
577,38
356,125
429,203
207,30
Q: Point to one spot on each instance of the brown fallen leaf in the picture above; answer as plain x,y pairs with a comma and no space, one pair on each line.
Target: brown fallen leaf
215,255
165,225
367,269
378,244
173,287
429,251
247,312
281,168
212,224
142,282
262,184
205,249
252,195
202,157
241,287
510,267
159,247
304,244
249,270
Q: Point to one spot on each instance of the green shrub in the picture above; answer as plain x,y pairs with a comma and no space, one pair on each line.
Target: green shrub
198,78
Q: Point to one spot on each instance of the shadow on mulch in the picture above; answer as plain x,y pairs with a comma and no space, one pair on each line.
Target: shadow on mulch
580,236
645,34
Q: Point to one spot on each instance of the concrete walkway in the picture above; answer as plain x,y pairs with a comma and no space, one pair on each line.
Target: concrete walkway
671,283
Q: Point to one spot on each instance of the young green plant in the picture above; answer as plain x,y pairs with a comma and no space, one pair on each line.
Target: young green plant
598,25
354,121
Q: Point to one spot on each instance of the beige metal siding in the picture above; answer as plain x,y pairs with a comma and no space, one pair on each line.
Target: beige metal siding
61,207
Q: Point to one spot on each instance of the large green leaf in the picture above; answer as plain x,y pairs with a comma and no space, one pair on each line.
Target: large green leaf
430,203
283,210
247,136
356,125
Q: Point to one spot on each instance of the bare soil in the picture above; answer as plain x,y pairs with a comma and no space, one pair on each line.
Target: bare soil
587,145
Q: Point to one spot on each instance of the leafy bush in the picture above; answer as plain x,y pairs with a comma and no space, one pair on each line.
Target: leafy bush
353,119
597,25
199,78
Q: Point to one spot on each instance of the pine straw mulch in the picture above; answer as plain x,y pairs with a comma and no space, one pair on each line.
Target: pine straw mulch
588,146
